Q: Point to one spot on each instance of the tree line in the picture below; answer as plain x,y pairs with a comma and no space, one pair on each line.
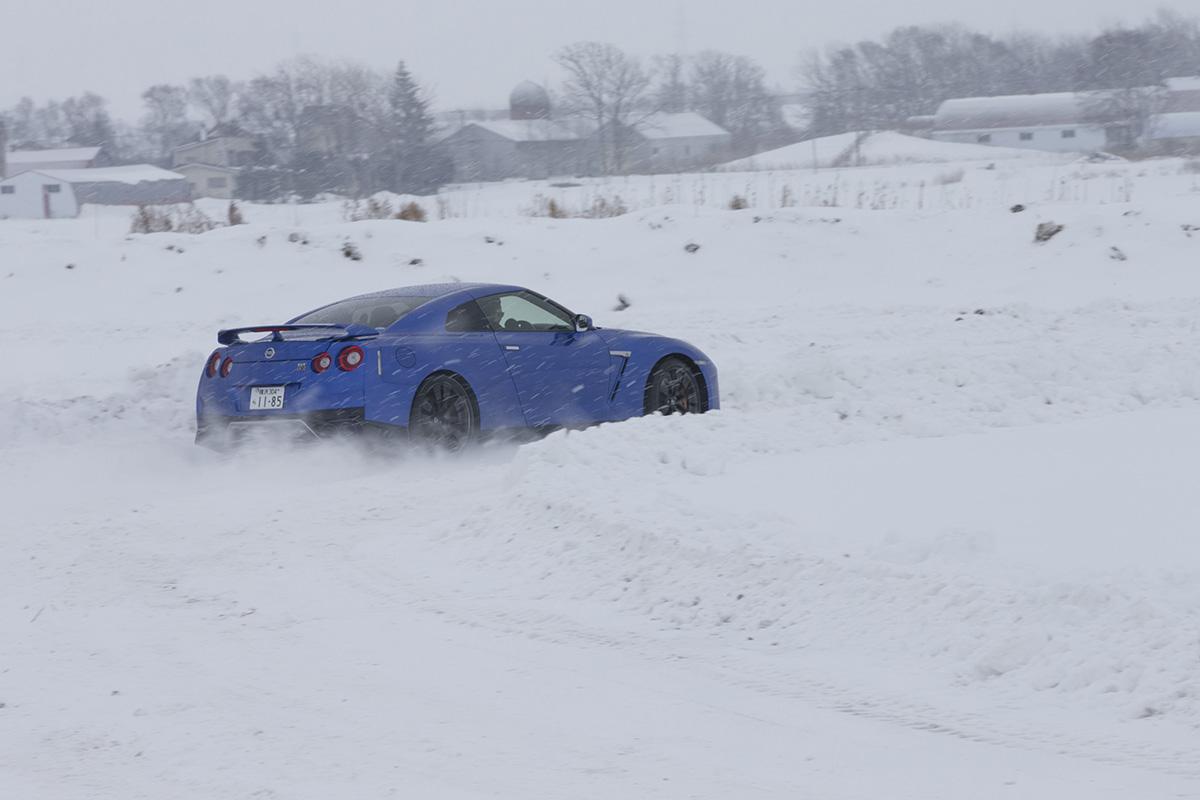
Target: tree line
880,84
342,127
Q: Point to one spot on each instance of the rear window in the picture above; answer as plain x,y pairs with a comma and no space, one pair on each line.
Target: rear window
374,312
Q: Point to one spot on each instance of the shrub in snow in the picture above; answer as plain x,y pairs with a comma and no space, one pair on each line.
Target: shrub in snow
1047,231
163,219
412,212
738,203
602,208
692,247
189,219
371,208
1117,254
234,214
149,219
622,303
350,250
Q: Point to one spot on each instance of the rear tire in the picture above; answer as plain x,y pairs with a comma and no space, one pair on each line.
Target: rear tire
444,415
675,387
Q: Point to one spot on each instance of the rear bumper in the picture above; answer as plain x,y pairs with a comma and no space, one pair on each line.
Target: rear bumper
218,430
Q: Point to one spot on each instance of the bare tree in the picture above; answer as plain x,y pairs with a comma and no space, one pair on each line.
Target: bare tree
671,93
609,88
732,92
166,122
215,96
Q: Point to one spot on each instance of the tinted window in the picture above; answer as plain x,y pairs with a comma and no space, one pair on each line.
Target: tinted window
374,312
467,318
524,311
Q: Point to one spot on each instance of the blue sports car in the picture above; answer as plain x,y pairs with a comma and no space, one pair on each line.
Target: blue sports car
448,363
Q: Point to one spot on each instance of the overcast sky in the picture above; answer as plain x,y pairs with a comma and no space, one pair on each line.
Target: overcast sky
471,52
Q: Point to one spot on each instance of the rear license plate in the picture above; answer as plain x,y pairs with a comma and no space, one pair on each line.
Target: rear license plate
266,398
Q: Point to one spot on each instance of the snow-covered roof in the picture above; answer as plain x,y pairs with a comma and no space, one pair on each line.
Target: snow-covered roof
132,175
1013,111
208,167
1189,84
53,156
685,125
532,130
1179,125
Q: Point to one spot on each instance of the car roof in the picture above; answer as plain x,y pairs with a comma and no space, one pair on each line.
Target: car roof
436,290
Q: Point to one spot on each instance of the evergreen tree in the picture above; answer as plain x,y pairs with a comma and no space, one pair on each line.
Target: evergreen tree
418,167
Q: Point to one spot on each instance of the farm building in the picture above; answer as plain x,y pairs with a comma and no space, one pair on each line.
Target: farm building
210,180
529,144
672,143
18,161
1062,121
56,194
1176,130
1076,121
496,150
211,165
533,143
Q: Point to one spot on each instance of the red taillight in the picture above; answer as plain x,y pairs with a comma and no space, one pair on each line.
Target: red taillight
214,361
350,359
322,363
226,367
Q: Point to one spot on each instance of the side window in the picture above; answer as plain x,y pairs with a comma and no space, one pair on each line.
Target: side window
53,188
467,318
8,190
524,312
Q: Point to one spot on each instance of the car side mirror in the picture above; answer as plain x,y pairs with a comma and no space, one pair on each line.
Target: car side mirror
583,323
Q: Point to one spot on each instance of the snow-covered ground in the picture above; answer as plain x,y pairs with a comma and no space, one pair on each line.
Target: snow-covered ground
939,543
910,175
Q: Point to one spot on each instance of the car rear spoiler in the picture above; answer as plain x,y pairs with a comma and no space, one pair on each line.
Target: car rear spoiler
336,332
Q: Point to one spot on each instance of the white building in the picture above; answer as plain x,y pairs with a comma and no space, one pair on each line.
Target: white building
212,164
1061,121
19,161
210,180
674,142
1073,121
59,194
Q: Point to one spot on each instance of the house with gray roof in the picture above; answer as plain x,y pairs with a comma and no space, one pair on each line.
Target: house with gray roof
533,143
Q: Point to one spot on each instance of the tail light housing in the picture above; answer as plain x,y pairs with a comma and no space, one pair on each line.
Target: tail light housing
226,367
351,358
322,363
214,363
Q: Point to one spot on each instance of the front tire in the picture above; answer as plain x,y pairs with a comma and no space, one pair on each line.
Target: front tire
674,388
444,415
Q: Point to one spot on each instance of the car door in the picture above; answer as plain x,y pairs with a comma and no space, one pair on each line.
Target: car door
563,376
